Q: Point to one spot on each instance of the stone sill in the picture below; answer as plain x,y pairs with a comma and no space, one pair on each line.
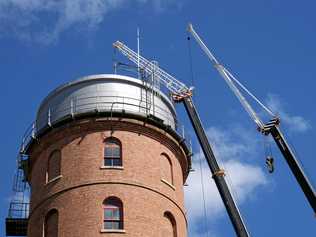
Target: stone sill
54,179
169,184
113,231
111,167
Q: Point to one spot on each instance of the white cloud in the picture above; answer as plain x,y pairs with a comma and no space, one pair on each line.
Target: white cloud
232,142
245,178
235,147
295,123
44,20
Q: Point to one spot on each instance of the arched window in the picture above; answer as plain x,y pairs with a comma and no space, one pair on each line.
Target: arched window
112,152
53,166
166,168
170,226
51,224
113,214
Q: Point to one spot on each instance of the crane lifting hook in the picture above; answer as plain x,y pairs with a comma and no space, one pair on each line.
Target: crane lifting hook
270,164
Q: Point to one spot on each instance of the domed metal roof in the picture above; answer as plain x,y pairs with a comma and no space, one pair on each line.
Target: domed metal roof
105,93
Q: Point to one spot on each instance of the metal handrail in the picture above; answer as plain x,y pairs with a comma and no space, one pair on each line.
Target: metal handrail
96,103
74,108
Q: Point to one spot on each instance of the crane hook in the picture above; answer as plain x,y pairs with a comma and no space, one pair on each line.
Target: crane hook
270,164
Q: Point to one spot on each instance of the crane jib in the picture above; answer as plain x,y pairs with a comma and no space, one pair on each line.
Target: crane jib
269,128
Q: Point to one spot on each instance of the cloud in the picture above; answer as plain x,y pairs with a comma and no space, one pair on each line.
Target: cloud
295,123
226,145
43,21
235,152
245,178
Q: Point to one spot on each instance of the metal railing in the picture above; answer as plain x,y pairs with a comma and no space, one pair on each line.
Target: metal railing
99,104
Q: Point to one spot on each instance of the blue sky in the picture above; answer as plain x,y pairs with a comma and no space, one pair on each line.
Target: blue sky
269,45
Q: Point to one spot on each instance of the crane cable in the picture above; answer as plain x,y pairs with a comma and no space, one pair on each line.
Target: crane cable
221,163
203,194
199,157
190,60
230,183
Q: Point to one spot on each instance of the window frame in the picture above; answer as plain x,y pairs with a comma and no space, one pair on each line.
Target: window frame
51,158
112,159
113,204
169,182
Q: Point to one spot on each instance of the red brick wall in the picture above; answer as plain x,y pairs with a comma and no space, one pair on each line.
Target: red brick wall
79,193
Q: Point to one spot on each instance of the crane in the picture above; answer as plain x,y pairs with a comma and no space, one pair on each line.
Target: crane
272,127
181,93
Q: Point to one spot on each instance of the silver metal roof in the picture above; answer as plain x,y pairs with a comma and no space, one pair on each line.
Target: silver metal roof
105,93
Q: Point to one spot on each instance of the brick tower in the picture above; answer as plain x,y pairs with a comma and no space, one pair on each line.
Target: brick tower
106,160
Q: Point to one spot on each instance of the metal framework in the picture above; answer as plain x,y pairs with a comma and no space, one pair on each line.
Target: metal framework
149,67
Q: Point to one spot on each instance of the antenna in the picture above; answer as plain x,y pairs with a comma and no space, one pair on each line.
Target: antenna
138,52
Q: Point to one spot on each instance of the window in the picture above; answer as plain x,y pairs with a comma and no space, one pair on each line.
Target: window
166,168
53,167
112,152
51,224
170,226
113,214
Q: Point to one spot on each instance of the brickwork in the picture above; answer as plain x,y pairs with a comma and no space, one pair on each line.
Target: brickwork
84,183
